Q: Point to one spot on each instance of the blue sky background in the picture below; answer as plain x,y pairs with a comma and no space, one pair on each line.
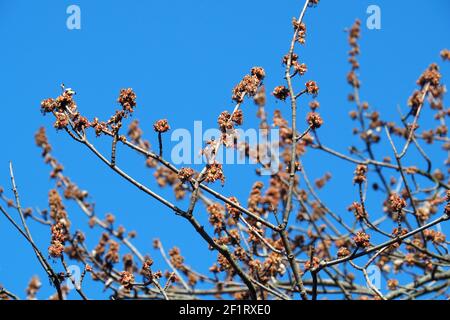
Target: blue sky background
183,58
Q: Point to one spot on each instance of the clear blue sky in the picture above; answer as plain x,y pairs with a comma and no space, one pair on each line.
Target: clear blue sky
183,58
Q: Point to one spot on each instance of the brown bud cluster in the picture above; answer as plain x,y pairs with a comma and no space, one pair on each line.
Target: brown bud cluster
392,284
358,210
126,279
112,255
41,141
396,203
62,103
312,88
343,252
185,174
280,92
33,287
300,28
226,121
362,239
249,84
234,212
353,36
176,258
127,99
445,55
216,216
58,238
314,120
214,172
312,264
161,126
360,174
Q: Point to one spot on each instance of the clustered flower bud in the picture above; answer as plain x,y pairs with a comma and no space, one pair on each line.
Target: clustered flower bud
353,36
238,117
447,206
146,270
358,210
445,55
260,97
176,258
185,174
314,105
352,79
320,182
300,27
312,264
234,212
294,57
65,111
362,239
128,264
258,72
99,126
48,105
33,287
161,126
110,219
436,236
126,279
249,84
314,120
62,120
281,92
80,123
431,75
392,284
396,203
57,210
135,132
226,121
312,88
164,176
62,103
112,255
343,252
360,174
127,99
41,141
216,216
58,238
214,172
300,68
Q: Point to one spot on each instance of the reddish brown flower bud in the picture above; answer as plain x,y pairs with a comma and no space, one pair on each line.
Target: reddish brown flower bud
126,279
396,203
127,99
161,126
360,174
314,120
312,88
281,92
343,252
185,174
362,239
